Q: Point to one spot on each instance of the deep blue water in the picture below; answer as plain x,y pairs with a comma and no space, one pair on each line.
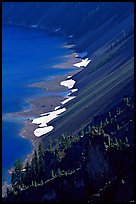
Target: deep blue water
27,57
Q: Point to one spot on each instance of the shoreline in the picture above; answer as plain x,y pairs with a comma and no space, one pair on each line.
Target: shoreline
71,60
50,102
43,104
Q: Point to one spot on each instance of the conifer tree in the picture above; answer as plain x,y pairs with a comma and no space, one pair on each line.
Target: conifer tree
118,127
106,121
109,114
35,159
63,141
82,132
57,150
126,140
7,192
77,137
13,178
50,145
68,142
52,173
118,111
57,144
41,162
34,167
88,129
32,183
27,173
59,172
17,174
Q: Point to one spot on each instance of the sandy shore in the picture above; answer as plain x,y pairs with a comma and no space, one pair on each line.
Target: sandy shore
44,103
71,60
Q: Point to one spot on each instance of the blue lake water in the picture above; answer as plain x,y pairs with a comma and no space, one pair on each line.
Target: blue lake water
27,57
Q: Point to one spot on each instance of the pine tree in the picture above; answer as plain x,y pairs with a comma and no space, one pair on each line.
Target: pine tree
118,127
109,114
66,141
126,140
126,101
15,193
50,145
34,167
69,141
120,143
41,182
7,192
17,173
41,150
57,150
35,160
32,183
106,121
52,173
118,111
13,178
63,141
23,186
88,129
77,137
82,132
57,144
59,172
109,141
41,162
27,173
116,143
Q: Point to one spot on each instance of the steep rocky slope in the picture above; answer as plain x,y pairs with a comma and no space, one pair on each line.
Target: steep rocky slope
105,31
97,28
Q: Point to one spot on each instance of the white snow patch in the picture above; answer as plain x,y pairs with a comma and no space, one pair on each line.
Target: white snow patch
73,90
69,77
69,94
83,63
49,116
42,121
41,131
68,99
68,83
57,107
43,114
